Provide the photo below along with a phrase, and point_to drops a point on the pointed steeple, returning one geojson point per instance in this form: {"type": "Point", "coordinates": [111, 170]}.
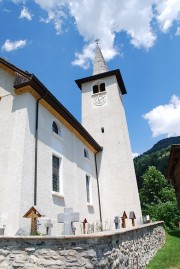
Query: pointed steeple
{"type": "Point", "coordinates": [99, 65]}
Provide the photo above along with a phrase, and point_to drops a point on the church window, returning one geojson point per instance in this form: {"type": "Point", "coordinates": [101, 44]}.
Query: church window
{"type": "Point", "coordinates": [102, 87]}
{"type": "Point", "coordinates": [95, 89]}
{"type": "Point", "coordinates": [88, 189]}
{"type": "Point", "coordinates": [55, 128]}
{"type": "Point", "coordinates": [102, 130]}
{"type": "Point", "coordinates": [86, 154]}
{"type": "Point", "coordinates": [55, 173]}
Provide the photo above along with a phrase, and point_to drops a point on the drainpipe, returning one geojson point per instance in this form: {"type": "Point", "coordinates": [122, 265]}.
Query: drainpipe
{"type": "Point", "coordinates": [100, 214]}
{"type": "Point", "coordinates": [36, 149]}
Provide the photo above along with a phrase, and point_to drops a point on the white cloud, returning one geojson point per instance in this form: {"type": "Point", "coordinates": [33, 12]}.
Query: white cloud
{"type": "Point", "coordinates": [82, 59]}
{"type": "Point", "coordinates": [168, 12]}
{"type": "Point", "coordinates": [55, 12]}
{"type": "Point", "coordinates": [178, 31]}
{"type": "Point", "coordinates": [13, 45]}
{"type": "Point", "coordinates": [134, 155]}
{"type": "Point", "coordinates": [57, 18]}
{"type": "Point", "coordinates": [25, 14]}
{"type": "Point", "coordinates": [105, 19]}
{"type": "Point", "coordinates": [165, 119]}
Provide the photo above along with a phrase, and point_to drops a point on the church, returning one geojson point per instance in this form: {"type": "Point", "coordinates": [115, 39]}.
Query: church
{"type": "Point", "coordinates": [50, 161]}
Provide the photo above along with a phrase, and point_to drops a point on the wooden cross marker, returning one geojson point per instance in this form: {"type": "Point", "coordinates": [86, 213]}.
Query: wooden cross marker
{"type": "Point", "coordinates": [124, 217]}
{"type": "Point", "coordinates": [132, 216]}
{"type": "Point", "coordinates": [84, 225]}
{"type": "Point", "coordinates": [33, 214]}
{"type": "Point", "coordinates": [96, 41]}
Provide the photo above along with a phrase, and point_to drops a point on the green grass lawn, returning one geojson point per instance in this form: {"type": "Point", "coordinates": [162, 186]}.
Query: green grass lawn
{"type": "Point", "coordinates": [168, 257]}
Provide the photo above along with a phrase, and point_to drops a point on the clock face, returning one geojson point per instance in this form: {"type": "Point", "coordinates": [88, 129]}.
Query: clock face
{"type": "Point", "coordinates": [99, 100]}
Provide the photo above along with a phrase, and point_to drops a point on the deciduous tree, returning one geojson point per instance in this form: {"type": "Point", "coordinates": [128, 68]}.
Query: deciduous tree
{"type": "Point", "coordinates": [158, 199]}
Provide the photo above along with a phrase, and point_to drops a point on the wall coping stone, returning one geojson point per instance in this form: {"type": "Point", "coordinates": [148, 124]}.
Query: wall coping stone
{"type": "Point", "coordinates": [84, 236]}
{"type": "Point", "coordinates": [124, 248]}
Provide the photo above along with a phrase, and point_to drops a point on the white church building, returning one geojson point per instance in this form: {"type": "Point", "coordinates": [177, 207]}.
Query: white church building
{"type": "Point", "coordinates": [50, 161]}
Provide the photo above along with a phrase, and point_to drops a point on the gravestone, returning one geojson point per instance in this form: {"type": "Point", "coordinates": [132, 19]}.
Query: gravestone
{"type": "Point", "coordinates": [146, 219]}
{"type": "Point", "coordinates": [99, 226]}
{"type": "Point", "coordinates": [21, 232]}
{"type": "Point", "coordinates": [68, 217]}
{"type": "Point", "coordinates": [90, 228]}
{"type": "Point", "coordinates": [117, 222]}
{"type": "Point", "coordinates": [48, 225]}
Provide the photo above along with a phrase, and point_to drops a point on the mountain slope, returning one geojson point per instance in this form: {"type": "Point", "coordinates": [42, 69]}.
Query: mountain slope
{"type": "Point", "coordinates": [157, 156]}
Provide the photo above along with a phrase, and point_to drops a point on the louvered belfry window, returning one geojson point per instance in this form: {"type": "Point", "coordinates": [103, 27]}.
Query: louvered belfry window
{"type": "Point", "coordinates": [55, 173]}
{"type": "Point", "coordinates": [102, 87]}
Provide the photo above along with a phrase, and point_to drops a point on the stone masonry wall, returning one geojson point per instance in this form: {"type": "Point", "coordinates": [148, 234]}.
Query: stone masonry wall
{"type": "Point", "coordinates": [108, 250]}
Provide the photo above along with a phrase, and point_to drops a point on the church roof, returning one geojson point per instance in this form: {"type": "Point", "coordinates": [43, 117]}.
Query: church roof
{"type": "Point", "coordinates": [116, 73]}
{"type": "Point", "coordinates": [99, 64]}
{"type": "Point", "coordinates": [26, 82]}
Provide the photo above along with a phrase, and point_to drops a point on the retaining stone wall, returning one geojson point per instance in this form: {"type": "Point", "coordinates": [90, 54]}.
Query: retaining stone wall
{"type": "Point", "coordinates": [108, 250]}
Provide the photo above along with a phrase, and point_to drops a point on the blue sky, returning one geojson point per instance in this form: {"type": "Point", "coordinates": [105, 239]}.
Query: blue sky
{"type": "Point", "coordinates": [54, 39]}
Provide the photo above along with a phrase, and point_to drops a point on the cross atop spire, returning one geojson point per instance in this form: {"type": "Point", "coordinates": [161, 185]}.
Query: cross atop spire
{"type": "Point", "coordinates": [99, 65]}
{"type": "Point", "coordinates": [96, 40]}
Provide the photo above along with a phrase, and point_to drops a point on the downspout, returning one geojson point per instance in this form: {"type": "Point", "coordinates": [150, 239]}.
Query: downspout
{"type": "Point", "coordinates": [36, 149]}
{"type": "Point", "coordinates": [99, 200]}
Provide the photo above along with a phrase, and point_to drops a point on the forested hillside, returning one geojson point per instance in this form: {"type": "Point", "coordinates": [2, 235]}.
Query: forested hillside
{"type": "Point", "coordinates": [157, 156]}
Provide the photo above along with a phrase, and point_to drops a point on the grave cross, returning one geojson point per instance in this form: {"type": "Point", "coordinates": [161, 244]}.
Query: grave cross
{"type": "Point", "coordinates": [84, 225]}
{"type": "Point", "coordinates": [48, 225]}
{"type": "Point", "coordinates": [116, 222]}
{"type": "Point", "coordinates": [68, 217]}
{"type": "Point", "coordinates": [132, 216]}
{"type": "Point", "coordinates": [124, 217]}
{"type": "Point", "coordinates": [34, 215]}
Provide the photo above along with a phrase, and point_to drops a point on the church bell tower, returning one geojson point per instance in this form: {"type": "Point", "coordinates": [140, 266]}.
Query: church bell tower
{"type": "Point", "coordinates": [104, 118]}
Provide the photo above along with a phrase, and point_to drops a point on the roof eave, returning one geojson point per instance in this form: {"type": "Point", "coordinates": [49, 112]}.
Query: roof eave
{"type": "Point", "coordinates": [116, 72]}
{"type": "Point", "coordinates": [51, 100]}
{"type": "Point", "coordinates": [14, 68]}
{"type": "Point", "coordinates": [44, 93]}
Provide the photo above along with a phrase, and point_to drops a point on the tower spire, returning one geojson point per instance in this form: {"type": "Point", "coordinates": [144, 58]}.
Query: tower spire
{"type": "Point", "coordinates": [99, 64]}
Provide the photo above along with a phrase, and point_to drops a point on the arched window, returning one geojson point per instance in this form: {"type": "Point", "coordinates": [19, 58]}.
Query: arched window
{"type": "Point", "coordinates": [55, 128]}
{"type": "Point", "coordinates": [95, 89]}
{"type": "Point", "coordinates": [86, 154]}
{"type": "Point", "coordinates": [99, 87]}
{"type": "Point", "coordinates": [102, 87]}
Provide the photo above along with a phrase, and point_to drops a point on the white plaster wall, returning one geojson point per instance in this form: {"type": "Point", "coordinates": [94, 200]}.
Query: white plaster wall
{"type": "Point", "coordinates": [118, 187]}
{"type": "Point", "coordinates": [5, 123]}
{"type": "Point", "coordinates": [74, 168]}
{"type": "Point", "coordinates": [17, 143]}
{"type": "Point", "coordinates": [14, 155]}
